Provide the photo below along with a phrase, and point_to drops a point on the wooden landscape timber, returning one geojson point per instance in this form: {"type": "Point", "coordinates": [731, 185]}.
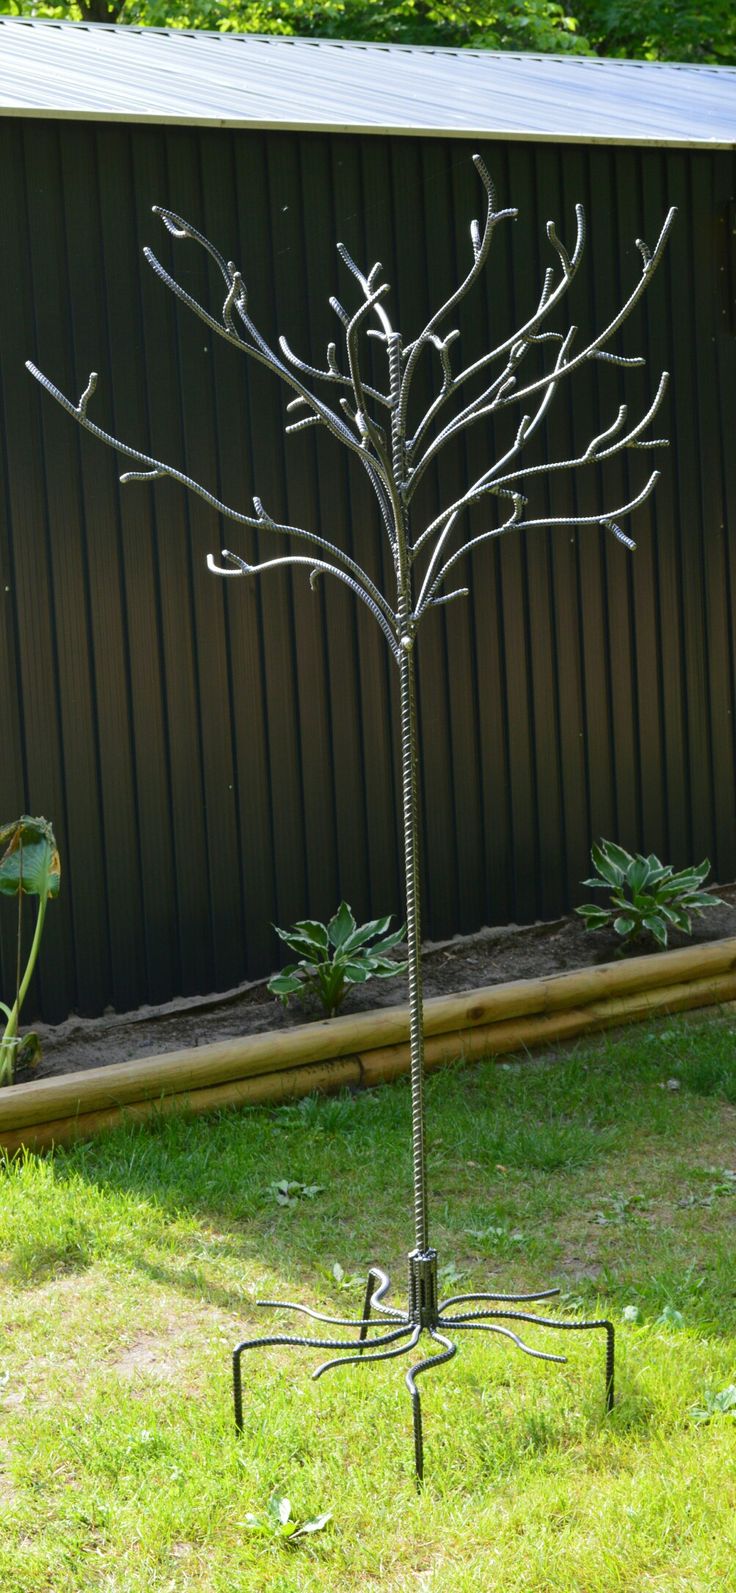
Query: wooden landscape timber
{"type": "Point", "coordinates": [366, 1048]}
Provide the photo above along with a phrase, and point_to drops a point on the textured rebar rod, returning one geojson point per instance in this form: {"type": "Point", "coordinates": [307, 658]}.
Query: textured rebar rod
{"type": "Point", "coordinates": [410, 779]}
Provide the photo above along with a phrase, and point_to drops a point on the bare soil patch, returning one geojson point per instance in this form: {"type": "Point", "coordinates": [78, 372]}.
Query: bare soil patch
{"type": "Point", "coordinates": [493, 956]}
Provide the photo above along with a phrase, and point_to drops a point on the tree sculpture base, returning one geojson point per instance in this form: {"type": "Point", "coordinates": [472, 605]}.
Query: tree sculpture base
{"type": "Point", "coordinates": [425, 1314]}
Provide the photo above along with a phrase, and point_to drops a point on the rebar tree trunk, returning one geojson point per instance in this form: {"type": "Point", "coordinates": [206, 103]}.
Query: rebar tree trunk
{"type": "Point", "coordinates": [412, 874]}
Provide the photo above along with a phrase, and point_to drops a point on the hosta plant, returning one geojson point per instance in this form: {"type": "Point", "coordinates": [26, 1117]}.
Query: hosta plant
{"type": "Point", "coordinates": [29, 866]}
{"type": "Point", "coordinates": [335, 956]}
{"type": "Point", "coordinates": [646, 897]}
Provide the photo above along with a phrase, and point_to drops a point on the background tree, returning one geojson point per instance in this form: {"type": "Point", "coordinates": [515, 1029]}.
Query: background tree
{"type": "Point", "coordinates": [654, 30]}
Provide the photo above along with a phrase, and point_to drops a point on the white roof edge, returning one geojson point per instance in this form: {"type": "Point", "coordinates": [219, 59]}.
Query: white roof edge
{"type": "Point", "coordinates": [498, 135]}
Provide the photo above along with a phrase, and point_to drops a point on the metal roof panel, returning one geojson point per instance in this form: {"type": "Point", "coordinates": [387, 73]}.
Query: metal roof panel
{"type": "Point", "coordinates": [99, 71]}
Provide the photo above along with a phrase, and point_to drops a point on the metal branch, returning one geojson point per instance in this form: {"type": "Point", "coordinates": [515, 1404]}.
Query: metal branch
{"type": "Point", "coordinates": [332, 374]}
{"type": "Point", "coordinates": [594, 349]}
{"type": "Point", "coordinates": [351, 346]}
{"type": "Point", "coordinates": [481, 246]}
{"type": "Point", "coordinates": [494, 393]}
{"type": "Point", "coordinates": [258, 350]}
{"type": "Point", "coordinates": [449, 597]}
{"type": "Point", "coordinates": [526, 428]}
{"type": "Point", "coordinates": [368, 284]}
{"type": "Point", "coordinates": [594, 453]}
{"type": "Point", "coordinates": [179, 228]}
{"type": "Point", "coordinates": [478, 408]}
{"type": "Point", "coordinates": [519, 343]}
{"type": "Point", "coordinates": [316, 567]}
{"type": "Point", "coordinates": [155, 469]}
{"type": "Point", "coordinates": [605, 519]}
{"type": "Point", "coordinates": [548, 299]}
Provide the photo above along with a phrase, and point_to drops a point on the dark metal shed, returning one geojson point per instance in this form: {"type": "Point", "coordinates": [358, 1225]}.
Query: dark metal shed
{"type": "Point", "coordinates": [217, 759]}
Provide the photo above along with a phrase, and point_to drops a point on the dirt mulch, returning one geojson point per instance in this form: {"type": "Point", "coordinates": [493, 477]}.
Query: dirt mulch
{"type": "Point", "coordinates": [493, 956]}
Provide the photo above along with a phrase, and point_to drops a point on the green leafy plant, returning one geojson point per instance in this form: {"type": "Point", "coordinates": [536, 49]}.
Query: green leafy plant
{"type": "Point", "coordinates": [345, 1280]}
{"type": "Point", "coordinates": [276, 1521]}
{"type": "Point", "coordinates": [29, 866]}
{"type": "Point", "coordinates": [287, 1192]}
{"type": "Point", "coordinates": [721, 1404]}
{"type": "Point", "coordinates": [335, 956]}
{"type": "Point", "coordinates": [647, 897]}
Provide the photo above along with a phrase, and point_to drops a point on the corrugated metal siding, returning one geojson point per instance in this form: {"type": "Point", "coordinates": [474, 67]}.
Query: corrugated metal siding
{"type": "Point", "coordinates": [217, 756]}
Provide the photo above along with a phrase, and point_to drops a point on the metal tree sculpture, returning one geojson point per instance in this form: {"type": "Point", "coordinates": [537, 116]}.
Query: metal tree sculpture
{"type": "Point", "coordinates": [374, 425]}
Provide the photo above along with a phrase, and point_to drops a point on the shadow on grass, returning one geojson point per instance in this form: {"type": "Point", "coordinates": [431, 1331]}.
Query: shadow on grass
{"type": "Point", "coordinates": [188, 1202]}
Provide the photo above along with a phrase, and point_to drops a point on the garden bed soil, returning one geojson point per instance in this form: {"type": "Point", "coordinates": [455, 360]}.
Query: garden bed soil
{"type": "Point", "coordinates": [493, 956]}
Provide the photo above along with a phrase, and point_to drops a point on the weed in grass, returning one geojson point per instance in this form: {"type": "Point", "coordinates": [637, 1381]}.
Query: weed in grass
{"type": "Point", "coordinates": [721, 1404]}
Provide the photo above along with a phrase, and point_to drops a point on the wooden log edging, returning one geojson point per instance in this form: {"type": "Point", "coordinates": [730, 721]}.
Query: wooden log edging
{"type": "Point", "coordinates": [365, 1048]}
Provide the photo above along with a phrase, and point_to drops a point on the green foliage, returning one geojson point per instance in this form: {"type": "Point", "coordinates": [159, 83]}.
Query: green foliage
{"type": "Point", "coordinates": [29, 866]}
{"type": "Point", "coordinates": [647, 897]}
{"type": "Point", "coordinates": [722, 1404]}
{"type": "Point", "coordinates": [660, 30]}
{"type": "Point", "coordinates": [653, 30]}
{"type": "Point", "coordinates": [482, 24]}
{"type": "Point", "coordinates": [335, 956]}
{"type": "Point", "coordinates": [276, 1521]}
{"type": "Point", "coordinates": [288, 1191]}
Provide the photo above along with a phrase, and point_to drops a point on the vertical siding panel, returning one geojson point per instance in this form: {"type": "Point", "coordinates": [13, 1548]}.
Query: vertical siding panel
{"type": "Point", "coordinates": [208, 372]}
{"type": "Point", "coordinates": [174, 574]}
{"type": "Point", "coordinates": [669, 354]}
{"type": "Point", "coordinates": [262, 193]}
{"type": "Point", "coordinates": [108, 733]}
{"type": "Point", "coordinates": [485, 603]}
{"type": "Point", "coordinates": [588, 419]}
{"type": "Point", "coordinates": [613, 240]}
{"type": "Point", "coordinates": [692, 619]}
{"type": "Point", "coordinates": [544, 547]}
{"type": "Point", "coordinates": [467, 457]}
{"type": "Point", "coordinates": [637, 388]}
{"type": "Point", "coordinates": [242, 600]}
{"type": "Point", "coordinates": [725, 382]}
{"type": "Point", "coordinates": [569, 599]}
{"type": "Point", "coordinates": [369, 234]}
{"type": "Point", "coordinates": [13, 783]}
{"type": "Point", "coordinates": [425, 274]}
{"type": "Point", "coordinates": [711, 540]}
{"type": "Point", "coordinates": [336, 745]}
{"type": "Point", "coordinates": [648, 529]}
{"type": "Point", "coordinates": [361, 671]}
{"type": "Point", "coordinates": [125, 224]}
{"type": "Point", "coordinates": [523, 839]}
{"type": "Point", "coordinates": [295, 457]}
{"type": "Point", "coordinates": [60, 652]}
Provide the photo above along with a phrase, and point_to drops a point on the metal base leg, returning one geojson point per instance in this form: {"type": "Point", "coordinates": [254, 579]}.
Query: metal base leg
{"type": "Point", "coordinates": [402, 1330]}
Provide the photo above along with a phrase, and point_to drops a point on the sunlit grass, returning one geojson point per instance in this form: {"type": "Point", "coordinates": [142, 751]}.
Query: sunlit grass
{"type": "Point", "coordinates": [129, 1267]}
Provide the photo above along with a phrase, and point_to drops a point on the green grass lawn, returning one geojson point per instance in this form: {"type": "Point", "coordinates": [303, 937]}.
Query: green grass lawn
{"type": "Point", "coordinates": [129, 1267]}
